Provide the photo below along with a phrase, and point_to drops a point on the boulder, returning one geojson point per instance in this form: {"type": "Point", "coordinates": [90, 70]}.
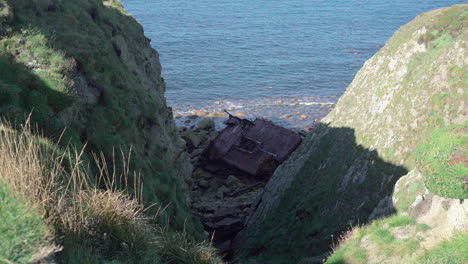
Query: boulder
{"type": "Point", "coordinates": [191, 139]}
{"type": "Point", "coordinates": [181, 143]}
{"type": "Point", "coordinates": [203, 135]}
{"type": "Point", "coordinates": [206, 124]}
{"type": "Point", "coordinates": [202, 174]}
{"type": "Point", "coordinates": [219, 194]}
{"type": "Point", "coordinates": [232, 181]}
{"type": "Point", "coordinates": [196, 153]}
{"type": "Point", "coordinates": [204, 183]}
{"type": "Point", "coordinates": [223, 189]}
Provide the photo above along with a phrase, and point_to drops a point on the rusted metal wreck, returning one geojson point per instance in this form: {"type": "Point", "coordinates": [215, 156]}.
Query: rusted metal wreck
{"type": "Point", "coordinates": [256, 147]}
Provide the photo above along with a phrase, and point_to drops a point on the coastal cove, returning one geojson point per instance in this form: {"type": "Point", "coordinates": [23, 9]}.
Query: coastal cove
{"type": "Point", "coordinates": [115, 148]}
{"type": "Point", "coordinates": [251, 55]}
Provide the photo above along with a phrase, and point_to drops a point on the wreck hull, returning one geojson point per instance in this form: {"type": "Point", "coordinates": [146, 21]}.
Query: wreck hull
{"type": "Point", "coordinates": [256, 147]}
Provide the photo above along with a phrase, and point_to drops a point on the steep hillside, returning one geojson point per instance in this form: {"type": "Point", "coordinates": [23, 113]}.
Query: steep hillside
{"type": "Point", "coordinates": [86, 66]}
{"type": "Point", "coordinates": [399, 128]}
{"type": "Point", "coordinates": [84, 76]}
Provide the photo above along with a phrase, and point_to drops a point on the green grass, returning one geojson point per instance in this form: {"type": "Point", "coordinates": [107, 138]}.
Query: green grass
{"type": "Point", "coordinates": [349, 246]}
{"type": "Point", "coordinates": [23, 232]}
{"type": "Point", "coordinates": [422, 227]}
{"type": "Point", "coordinates": [381, 236]}
{"type": "Point", "coordinates": [408, 250]}
{"type": "Point", "coordinates": [438, 162]}
{"type": "Point", "coordinates": [378, 233]}
{"type": "Point", "coordinates": [405, 250]}
{"type": "Point", "coordinates": [63, 62]}
{"type": "Point", "coordinates": [452, 251]}
{"type": "Point", "coordinates": [400, 220]}
{"type": "Point", "coordinates": [91, 224]}
{"type": "Point", "coordinates": [52, 50]}
{"type": "Point", "coordinates": [359, 256]}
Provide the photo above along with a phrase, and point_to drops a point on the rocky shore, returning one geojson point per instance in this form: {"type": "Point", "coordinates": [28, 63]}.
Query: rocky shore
{"type": "Point", "coordinates": [220, 196]}
{"type": "Point", "coordinates": [293, 113]}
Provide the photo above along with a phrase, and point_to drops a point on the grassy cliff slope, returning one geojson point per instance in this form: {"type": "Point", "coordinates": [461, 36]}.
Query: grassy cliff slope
{"type": "Point", "coordinates": [86, 68]}
{"type": "Point", "coordinates": [88, 79]}
{"type": "Point", "coordinates": [52, 212]}
{"type": "Point", "coordinates": [399, 128]}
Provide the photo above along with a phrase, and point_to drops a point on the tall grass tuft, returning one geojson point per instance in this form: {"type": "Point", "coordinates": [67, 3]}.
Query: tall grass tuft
{"type": "Point", "coordinates": [97, 214]}
{"type": "Point", "coordinates": [176, 248]}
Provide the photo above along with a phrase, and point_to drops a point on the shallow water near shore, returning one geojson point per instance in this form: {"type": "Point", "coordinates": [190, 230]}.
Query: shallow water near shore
{"type": "Point", "coordinates": [251, 54]}
{"type": "Point", "coordinates": [291, 112]}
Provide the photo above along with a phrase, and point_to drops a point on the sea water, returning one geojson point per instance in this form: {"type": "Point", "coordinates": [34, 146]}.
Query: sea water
{"type": "Point", "coordinates": [276, 59]}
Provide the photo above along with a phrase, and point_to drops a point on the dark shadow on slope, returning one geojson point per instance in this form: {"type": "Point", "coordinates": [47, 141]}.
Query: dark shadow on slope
{"type": "Point", "coordinates": [23, 93]}
{"type": "Point", "coordinates": [339, 186]}
{"type": "Point", "coordinates": [112, 111]}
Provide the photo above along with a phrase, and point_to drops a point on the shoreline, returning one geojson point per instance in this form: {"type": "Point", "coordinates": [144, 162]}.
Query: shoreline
{"type": "Point", "coordinates": [293, 113]}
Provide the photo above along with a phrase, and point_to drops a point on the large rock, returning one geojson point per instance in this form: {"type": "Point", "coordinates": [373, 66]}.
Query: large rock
{"type": "Point", "coordinates": [193, 139]}
{"type": "Point", "coordinates": [232, 181]}
{"type": "Point", "coordinates": [206, 124]}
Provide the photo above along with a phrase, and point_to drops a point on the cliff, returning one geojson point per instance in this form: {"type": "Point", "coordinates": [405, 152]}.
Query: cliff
{"type": "Point", "coordinates": [89, 79]}
{"type": "Point", "coordinates": [395, 143]}
{"type": "Point", "coordinates": [86, 66]}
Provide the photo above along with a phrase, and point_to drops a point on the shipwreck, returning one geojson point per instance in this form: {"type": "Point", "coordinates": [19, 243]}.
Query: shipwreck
{"type": "Point", "coordinates": [256, 147]}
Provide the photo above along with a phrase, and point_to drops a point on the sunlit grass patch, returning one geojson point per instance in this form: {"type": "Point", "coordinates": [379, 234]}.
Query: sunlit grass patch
{"type": "Point", "coordinates": [400, 220]}
{"type": "Point", "coordinates": [379, 240]}
{"type": "Point", "coordinates": [443, 161]}
{"type": "Point", "coordinates": [381, 236]}
{"type": "Point", "coordinates": [453, 251]}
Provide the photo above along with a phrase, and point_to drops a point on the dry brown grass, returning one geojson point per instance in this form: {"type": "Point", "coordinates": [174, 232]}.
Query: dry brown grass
{"type": "Point", "coordinates": [58, 183]}
{"type": "Point", "coordinates": [175, 248]}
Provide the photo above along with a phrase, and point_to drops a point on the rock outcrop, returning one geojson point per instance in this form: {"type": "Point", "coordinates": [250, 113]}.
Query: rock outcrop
{"type": "Point", "coordinates": [344, 173]}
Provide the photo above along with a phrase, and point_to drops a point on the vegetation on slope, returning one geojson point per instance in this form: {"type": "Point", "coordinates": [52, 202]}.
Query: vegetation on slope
{"type": "Point", "coordinates": [451, 251]}
{"type": "Point", "coordinates": [437, 147]}
{"type": "Point", "coordinates": [444, 161]}
{"type": "Point", "coordinates": [410, 96]}
{"type": "Point", "coordinates": [41, 184]}
{"type": "Point", "coordinates": [86, 66]}
{"type": "Point", "coordinates": [24, 234]}
{"type": "Point", "coordinates": [397, 239]}
{"type": "Point", "coordinates": [99, 179]}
